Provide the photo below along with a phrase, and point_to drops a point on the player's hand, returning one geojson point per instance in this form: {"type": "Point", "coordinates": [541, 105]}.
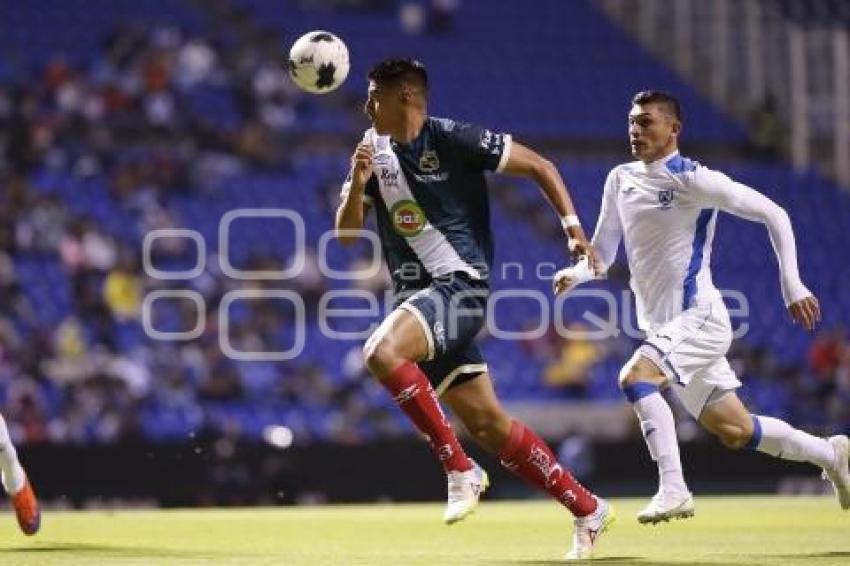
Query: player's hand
{"type": "Point", "coordinates": [569, 277]}
{"type": "Point", "coordinates": [580, 247]}
{"type": "Point", "coordinates": [806, 312]}
{"type": "Point", "coordinates": [361, 165]}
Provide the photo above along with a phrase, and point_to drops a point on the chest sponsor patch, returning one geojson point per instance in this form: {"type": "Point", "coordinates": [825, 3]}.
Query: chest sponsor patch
{"type": "Point", "coordinates": [408, 218]}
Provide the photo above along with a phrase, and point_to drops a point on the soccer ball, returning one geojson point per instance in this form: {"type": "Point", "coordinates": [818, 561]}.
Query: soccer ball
{"type": "Point", "coordinates": [318, 62]}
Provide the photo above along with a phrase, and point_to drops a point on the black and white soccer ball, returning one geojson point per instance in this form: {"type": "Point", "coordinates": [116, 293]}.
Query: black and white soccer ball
{"type": "Point", "coordinates": [318, 62]}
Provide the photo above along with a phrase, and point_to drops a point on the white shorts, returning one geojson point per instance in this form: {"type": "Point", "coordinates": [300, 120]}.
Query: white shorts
{"type": "Point", "coordinates": [691, 351]}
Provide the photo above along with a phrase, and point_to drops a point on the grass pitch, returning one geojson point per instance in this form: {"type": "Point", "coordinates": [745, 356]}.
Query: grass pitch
{"type": "Point", "coordinates": [727, 531]}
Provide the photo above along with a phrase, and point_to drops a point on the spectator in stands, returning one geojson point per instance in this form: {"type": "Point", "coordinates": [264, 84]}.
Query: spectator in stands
{"type": "Point", "coordinates": [122, 291]}
{"type": "Point", "coordinates": [576, 356]}
{"type": "Point", "coordinates": [768, 134]}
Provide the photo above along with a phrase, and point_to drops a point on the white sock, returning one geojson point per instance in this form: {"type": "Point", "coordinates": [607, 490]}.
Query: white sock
{"type": "Point", "coordinates": [659, 430]}
{"type": "Point", "coordinates": [12, 473]}
{"type": "Point", "coordinates": [779, 439]}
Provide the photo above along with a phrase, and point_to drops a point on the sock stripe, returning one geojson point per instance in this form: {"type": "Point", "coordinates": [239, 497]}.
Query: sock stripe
{"type": "Point", "coordinates": [639, 390]}
{"type": "Point", "coordinates": [755, 439]}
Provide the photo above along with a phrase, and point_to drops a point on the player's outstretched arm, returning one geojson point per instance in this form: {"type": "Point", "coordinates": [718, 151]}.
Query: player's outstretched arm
{"type": "Point", "coordinates": [525, 162]}
{"type": "Point", "coordinates": [609, 227]}
{"type": "Point", "coordinates": [352, 209]}
{"type": "Point", "coordinates": [721, 192]}
{"type": "Point", "coordinates": [606, 240]}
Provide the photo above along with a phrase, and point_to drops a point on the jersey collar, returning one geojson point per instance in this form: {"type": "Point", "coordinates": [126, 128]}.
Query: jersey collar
{"type": "Point", "coordinates": [659, 164]}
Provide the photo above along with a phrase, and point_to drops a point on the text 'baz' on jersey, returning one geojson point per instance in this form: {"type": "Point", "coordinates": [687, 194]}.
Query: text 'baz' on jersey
{"type": "Point", "coordinates": [430, 197]}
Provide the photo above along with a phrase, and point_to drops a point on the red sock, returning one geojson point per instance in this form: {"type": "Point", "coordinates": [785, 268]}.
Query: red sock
{"type": "Point", "coordinates": [413, 393]}
{"type": "Point", "coordinates": [527, 455]}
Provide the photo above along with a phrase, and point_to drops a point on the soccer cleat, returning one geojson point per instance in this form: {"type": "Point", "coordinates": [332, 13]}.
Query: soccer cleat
{"type": "Point", "coordinates": [587, 530]}
{"type": "Point", "coordinates": [840, 475]}
{"type": "Point", "coordinates": [665, 507]}
{"type": "Point", "coordinates": [26, 509]}
{"type": "Point", "coordinates": [465, 489]}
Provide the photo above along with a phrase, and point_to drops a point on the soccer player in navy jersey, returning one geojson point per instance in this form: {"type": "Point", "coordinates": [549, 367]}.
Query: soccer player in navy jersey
{"type": "Point", "coordinates": [424, 177]}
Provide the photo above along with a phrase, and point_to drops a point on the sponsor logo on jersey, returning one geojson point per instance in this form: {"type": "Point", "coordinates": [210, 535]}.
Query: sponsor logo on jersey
{"type": "Point", "coordinates": [408, 218]}
{"type": "Point", "coordinates": [429, 162]}
{"type": "Point", "coordinates": [388, 177]}
{"type": "Point", "coordinates": [491, 142]}
{"type": "Point", "coordinates": [665, 199]}
{"type": "Point", "coordinates": [433, 177]}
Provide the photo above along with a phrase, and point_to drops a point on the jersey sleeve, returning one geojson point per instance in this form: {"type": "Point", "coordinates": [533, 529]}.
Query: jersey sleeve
{"type": "Point", "coordinates": [369, 192]}
{"type": "Point", "coordinates": [716, 190]}
{"type": "Point", "coordinates": [479, 148]}
{"type": "Point", "coordinates": [609, 227]}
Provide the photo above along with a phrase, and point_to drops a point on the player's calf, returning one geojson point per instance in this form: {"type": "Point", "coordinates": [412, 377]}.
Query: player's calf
{"type": "Point", "coordinates": [733, 436]}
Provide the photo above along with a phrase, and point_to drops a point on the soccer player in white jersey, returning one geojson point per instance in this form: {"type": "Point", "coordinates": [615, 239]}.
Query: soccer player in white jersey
{"type": "Point", "coordinates": [664, 207]}
{"type": "Point", "coordinates": [16, 484]}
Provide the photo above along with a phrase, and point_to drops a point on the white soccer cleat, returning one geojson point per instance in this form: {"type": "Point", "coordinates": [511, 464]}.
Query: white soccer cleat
{"type": "Point", "coordinates": [587, 529]}
{"type": "Point", "coordinates": [840, 475]}
{"type": "Point", "coordinates": [465, 489]}
{"type": "Point", "coordinates": [664, 507]}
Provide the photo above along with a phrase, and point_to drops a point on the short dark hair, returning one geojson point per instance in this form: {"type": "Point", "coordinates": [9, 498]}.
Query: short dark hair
{"type": "Point", "coordinates": [660, 97]}
{"type": "Point", "coordinates": [394, 71]}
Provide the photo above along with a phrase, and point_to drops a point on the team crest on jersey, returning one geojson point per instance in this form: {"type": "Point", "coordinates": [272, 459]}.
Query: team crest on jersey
{"type": "Point", "coordinates": [429, 162]}
{"type": "Point", "coordinates": [665, 199]}
{"type": "Point", "coordinates": [408, 218]}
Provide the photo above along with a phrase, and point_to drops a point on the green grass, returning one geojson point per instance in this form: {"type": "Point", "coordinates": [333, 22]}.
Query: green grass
{"type": "Point", "coordinates": [732, 531]}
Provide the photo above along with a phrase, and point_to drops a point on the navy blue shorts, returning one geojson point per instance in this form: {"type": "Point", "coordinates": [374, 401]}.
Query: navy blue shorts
{"type": "Point", "coordinates": [451, 311]}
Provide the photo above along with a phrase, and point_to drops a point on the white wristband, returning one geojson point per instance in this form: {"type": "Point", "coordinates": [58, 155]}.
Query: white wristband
{"type": "Point", "coordinates": [569, 221]}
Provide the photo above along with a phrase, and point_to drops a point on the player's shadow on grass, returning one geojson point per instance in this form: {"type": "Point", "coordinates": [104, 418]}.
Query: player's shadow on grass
{"type": "Point", "coordinates": [832, 554]}
{"type": "Point", "coordinates": [617, 560]}
{"type": "Point", "coordinates": [608, 561]}
{"type": "Point", "coordinates": [637, 561]}
{"type": "Point", "coordinates": [104, 550]}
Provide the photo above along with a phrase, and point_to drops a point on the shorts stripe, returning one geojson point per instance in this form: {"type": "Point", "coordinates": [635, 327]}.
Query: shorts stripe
{"type": "Point", "coordinates": [412, 309]}
{"type": "Point", "coordinates": [460, 370]}
{"type": "Point", "coordinates": [661, 359]}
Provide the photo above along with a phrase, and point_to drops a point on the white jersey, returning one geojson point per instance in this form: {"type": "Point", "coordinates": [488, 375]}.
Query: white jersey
{"type": "Point", "coordinates": [666, 213]}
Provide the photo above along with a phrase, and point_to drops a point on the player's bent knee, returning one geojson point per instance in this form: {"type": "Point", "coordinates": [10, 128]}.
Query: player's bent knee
{"type": "Point", "coordinates": [630, 375]}
{"type": "Point", "coordinates": [640, 370]}
{"type": "Point", "coordinates": [380, 356]}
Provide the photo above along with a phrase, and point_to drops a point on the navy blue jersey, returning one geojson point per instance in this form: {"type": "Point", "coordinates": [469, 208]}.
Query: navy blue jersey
{"type": "Point", "coordinates": [431, 200]}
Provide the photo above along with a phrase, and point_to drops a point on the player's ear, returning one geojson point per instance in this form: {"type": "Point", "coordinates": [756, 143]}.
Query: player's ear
{"type": "Point", "coordinates": [677, 128]}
